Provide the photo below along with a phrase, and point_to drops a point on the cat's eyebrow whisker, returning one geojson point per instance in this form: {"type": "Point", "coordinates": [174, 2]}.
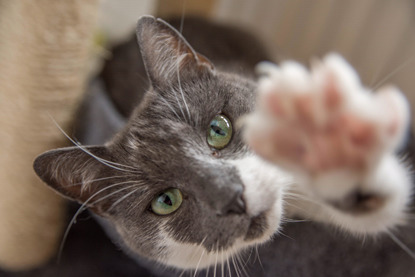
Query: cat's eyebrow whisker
{"type": "Point", "coordinates": [182, 93]}
{"type": "Point", "coordinates": [113, 165]}
{"type": "Point", "coordinates": [100, 179]}
{"type": "Point", "coordinates": [111, 194]}
{"type": "Point", "coordinates": [170, 107]}
{"type": "Point", "coordinates": [178, 59]}
{"type": "Point", "coordinates": [122, 199]}
{"type": "Point", "coordinates": [405, 248]}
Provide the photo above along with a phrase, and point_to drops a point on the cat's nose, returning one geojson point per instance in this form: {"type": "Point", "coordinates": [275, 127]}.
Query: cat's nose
{"type": "Point", "coordinates": [235, 206]}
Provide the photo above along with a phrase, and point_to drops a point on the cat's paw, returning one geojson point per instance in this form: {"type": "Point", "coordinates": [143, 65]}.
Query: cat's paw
{"type": "Point", "coordinates": [323, 119]}
{"type": "Point", "coordinates": [330, 131]}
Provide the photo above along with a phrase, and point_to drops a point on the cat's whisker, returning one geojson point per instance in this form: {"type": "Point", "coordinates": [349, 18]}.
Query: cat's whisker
{"type": "Point", "coordinates": [183, 272]}
{"type": "Point", "coordinates": [280, 232]}
{"type": "Point", "coordinates": [249, 256]}
{"type": "Point", "coordinates": [259, 258]}
{"type": "Point", "coordinates": [290, 220]}
{"type": "Point", "coordinates": [405, 248]}
{"type": "Point", "coordinates": [235, 266]}
{"type": "Point", "coordinates": [394, 72]}
{"type": "Point", "coordinates": [181, 91]}
{"type": "Point", "coordinates": [240, 262]}
{"type": "Point", "coordinates": [198, 263]}
{"type": "Point", "coordinates": [222, 264]}
{"type": "Point", "coordinates": [229, 267]}
{"type": "Point", "coordinates": [170, 107]}
{"type": "Point", "coordinates": [110, 164]}
{"type": "Point", "coordinates": [73, 220]}
{"type": "Point", "coordinates": [122, 199]}
{"type": "Point", "coordinates": [294, 196]}
{"type": "Point", "coordinates": [178, 67]}
{"type": "Point", "coordinates": [207, 271]}
{"type": "Point", "coordinates": [216, 259]}
{"type": "Point", "coordinates": [100, 179]}
{"type": "Point", "coordinates": [111, 194]}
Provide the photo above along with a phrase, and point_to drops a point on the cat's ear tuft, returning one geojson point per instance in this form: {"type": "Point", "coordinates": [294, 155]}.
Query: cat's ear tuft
{"type": "Point", "coordinates": [165, 51]}
{"type": "Point", "coordinates": [71, 171]}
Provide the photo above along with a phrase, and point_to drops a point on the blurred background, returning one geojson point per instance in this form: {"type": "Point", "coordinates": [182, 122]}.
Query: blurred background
{"type": "Point", "coordinates": [376, 36]}
{"type": "Point", "coordinates": [50, 49]}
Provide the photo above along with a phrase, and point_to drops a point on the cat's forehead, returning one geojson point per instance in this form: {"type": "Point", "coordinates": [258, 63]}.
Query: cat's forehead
{"type": "Point", "coordinates": [197, 99]}
{"type": "Point", "coordinates": [174, 119]}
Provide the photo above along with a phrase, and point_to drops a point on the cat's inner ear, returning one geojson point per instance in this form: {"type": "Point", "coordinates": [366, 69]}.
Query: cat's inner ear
{"type": "Point", "coordinates": [77, 173]}
{"type": "Point", "coordinates": [166, 53]}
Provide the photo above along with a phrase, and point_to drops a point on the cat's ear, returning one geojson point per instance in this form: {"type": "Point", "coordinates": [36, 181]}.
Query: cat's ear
{"type": "Point", "coordinates": [165, 52]}
{"type": "Point", "coordinates": [74, 171]}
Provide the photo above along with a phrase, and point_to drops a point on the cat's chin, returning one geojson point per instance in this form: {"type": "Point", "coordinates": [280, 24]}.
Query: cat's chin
{"type": "Point", "coordinates": [195, 256]}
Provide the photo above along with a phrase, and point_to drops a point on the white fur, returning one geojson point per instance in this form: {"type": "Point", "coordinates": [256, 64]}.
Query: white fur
{"type": "Point", "coordinates": [263, 189]}
{"type": "Point", "coordinates": [386, 176]}
{"type": "Point", "coordinates": [267, 188]}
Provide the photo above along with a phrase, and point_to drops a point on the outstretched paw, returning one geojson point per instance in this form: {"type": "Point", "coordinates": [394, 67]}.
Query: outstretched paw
{"type": "Point", "coordinates": [321, 120]}
{"type": "Point", "coordinates": [338, 140]}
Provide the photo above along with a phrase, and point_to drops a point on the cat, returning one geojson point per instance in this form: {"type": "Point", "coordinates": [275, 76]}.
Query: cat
{"type": "Point", "coordinates": [180, 185]}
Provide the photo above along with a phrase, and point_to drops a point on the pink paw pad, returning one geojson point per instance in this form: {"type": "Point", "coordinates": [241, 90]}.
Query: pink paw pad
{"type": "Point", "coordinates": [323, 119]}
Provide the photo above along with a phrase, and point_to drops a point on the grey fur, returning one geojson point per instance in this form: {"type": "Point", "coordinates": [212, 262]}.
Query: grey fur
{"type": "Point", "coordinates": [162, 146]}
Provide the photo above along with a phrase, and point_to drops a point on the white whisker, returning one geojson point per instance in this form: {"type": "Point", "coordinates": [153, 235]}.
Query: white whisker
{"type": "Point", "coordinates": [397, 70]}
{"type": "Point", "coordinates": [115, 192]}
{"type": "Point", "coordinates": [229, 267]}
{"type": "Point", "coordinates": [171, 107]}
{"type": "Point", "coordinates": [222, 263]}
{"type": "Point", "coordinates": [216, 258]}
{"type": "Point", "coordinates": [235, 266]}
{"type": "Point", "coordinates": [198, 263]}
{"type": "Point", "coordinates": [122, 199]}
{"type": "Point", "coordinates": [81, 209]}
{"type": "Point", "coordinates": [110, 164]}
{"type": "Point", "coordinates": [401, 245]}
{"type": "Point", "coordinates": [100, 179]}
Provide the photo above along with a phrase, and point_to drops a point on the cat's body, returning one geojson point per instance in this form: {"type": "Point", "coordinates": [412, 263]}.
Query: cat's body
{"type": "Point", "coordinates": [233, 96]}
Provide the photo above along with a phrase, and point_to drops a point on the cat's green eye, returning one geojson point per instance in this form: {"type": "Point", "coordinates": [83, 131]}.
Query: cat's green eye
{"type": "Point", "coordinates": [167, 202]}
{"type": "Point", "coordinates": [220, 132]}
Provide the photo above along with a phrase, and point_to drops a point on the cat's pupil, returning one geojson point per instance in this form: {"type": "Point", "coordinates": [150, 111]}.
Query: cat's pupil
{"type": "Point", "coordinates": [167, 200]}
{"type": "Point", "coordinates": [218, 130]}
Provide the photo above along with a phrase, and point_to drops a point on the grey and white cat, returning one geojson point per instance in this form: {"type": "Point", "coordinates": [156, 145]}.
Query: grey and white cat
{"type": "Point", "coordinates": [200, 172]}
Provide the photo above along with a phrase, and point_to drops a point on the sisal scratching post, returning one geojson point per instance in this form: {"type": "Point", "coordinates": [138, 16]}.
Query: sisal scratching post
{"type": "Point", "coordinates": [44, 49]}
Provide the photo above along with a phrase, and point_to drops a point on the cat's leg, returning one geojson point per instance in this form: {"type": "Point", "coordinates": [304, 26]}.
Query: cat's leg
{"type": "Point", "coordinates": [338, 139]}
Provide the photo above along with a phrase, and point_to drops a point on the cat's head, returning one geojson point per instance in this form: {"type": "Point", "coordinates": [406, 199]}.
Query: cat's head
{"type": "Point", "coordinates": [177, 183]}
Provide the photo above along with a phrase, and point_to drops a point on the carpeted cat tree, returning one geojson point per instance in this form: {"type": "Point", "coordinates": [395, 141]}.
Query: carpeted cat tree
{"type": "Point", "coordinates": [44, 49]}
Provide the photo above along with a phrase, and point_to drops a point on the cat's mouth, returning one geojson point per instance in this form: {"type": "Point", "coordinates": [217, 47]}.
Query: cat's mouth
{"type": "Point", "coordinates": [264, 225]}
{"type": "Point", "coordinates": [257, 227]}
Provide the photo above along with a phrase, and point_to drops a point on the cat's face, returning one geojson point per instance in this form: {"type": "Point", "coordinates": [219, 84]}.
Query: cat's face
{"type": "Point", "coordinates": [178, 183]}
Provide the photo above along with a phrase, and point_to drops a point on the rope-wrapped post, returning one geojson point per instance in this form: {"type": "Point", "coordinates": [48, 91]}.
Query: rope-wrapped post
{"type": "Point", "coordinates": [44, 53]}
